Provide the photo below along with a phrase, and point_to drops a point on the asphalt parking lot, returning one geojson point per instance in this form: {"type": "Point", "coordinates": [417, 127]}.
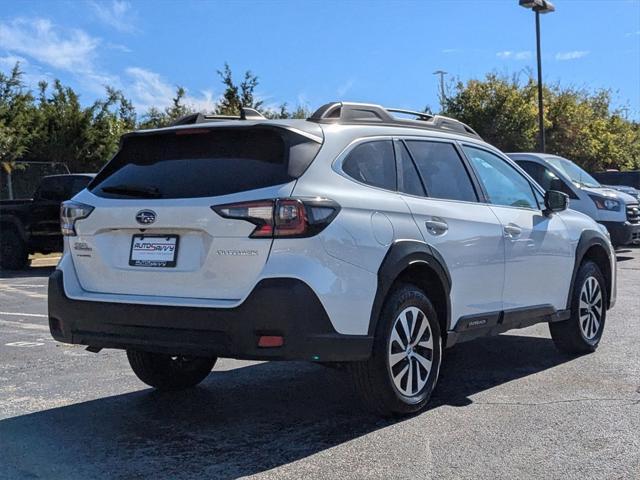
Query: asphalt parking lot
{"type": "Point", "coordinates": [506, 407]}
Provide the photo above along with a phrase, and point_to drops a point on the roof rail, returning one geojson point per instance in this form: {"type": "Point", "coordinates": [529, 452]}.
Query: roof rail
{"type": "Point", "coordinates": [246, 113]}
{"type": "Point", "coordinates": [364, 113]}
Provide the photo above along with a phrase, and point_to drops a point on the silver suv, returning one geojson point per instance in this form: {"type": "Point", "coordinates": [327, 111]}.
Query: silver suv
{"type": "Point", "coordinates": [354, 237]}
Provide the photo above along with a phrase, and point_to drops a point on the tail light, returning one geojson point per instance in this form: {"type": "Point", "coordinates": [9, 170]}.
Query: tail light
{"type": "Point", "coordinates": [283, 217]}
{"type": "Point", "coordinates": [70, 212]}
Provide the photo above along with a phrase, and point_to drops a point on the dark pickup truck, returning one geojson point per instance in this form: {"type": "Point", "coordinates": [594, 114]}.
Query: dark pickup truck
{"type": "Point", "coordinates": [33, 225]}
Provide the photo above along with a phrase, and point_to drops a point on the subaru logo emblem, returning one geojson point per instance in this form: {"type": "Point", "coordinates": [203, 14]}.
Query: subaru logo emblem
{"type": "Point", "coordinates": [146, 217]}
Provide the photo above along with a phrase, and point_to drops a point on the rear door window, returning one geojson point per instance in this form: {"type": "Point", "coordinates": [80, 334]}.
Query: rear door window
{"type": "Point", "coordinates": [545, 177]}
{"type": "Point", "coordinates": [199, 163]}
{"type": "Point", "coordinates": [372, 163]}
{"type": "Point", "coordinates": [442, 171]}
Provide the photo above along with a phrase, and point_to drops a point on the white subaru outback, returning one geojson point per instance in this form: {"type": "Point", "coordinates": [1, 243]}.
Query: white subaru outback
{"type": "Point", "coordinates": [357, 236]}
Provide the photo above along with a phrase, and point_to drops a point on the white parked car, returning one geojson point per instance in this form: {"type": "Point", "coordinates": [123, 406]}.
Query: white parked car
{"type": "Point", "coordinates": [616, 210]}
{"type": "Point", "coordinates": [354, 236]}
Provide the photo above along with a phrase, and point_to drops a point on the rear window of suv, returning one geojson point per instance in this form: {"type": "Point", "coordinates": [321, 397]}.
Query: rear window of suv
{"type": "Point", "coordinates": [203, 162]}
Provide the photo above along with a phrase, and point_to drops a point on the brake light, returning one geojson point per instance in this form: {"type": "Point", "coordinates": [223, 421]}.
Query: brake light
{"type": "Point", "coordinates": [282, 217]}
{"type": "Point", "coordinates": [70, 212]}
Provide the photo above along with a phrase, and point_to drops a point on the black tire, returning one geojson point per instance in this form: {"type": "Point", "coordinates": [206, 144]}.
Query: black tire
{"type": "Point", "coordinates": [13, 250]}
{"type": "Point", "coordinates": [374, 380]}
{"type": "Point", "coordinates": [167, 372]}
{"type": "Point", "coordinates": [570, 336]}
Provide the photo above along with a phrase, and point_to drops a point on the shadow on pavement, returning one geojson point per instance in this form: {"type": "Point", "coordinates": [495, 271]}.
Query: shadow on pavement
{"type": "Point", "coordinates": [239, 422]}
{"type": "Point", "coordinates": [28, 272]}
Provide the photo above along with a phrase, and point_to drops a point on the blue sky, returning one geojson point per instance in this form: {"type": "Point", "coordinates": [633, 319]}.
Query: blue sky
{"type": "Point", "coordinates": [312, 52]}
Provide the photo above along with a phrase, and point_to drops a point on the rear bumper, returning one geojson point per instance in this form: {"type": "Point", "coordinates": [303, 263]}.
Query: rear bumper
{"type": "Point", "coordinates": [623, 233]}
{"type": "Point", "coordinates": [278, 306]}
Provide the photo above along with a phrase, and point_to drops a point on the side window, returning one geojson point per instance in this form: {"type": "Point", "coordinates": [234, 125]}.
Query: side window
{"type": "Point", "coordinates": [372, 163]}
{"type": "Point", "coordinates": [503, 184]}
{"type": "Point", "coordinates": [442, 171]}
{"type": "Point", "coordinates": [535, 170]}
{"type": "Point", "coordinates": [545, 177]}
{"type": "Point", "coordinates": [52, 189]}
{"type": "Point", "coordinates": [78, 184]}
{"type": "Point", "coordinates": [409, 178]}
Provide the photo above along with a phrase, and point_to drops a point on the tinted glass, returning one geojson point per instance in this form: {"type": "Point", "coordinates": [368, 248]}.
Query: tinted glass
{"type": "Point", "coordinates": [372, 163]}
{"type": "Point", "coordinates": [78, 184]}
{"type": "Point", "coordinates": [503, 183]}
{"type": "Point", "coordinates": [443, 173]}
{"type": "Point", "coordinates": [574, 172]}
{"type": "Point", "coordinates": [545, 177]}
{"type": "Point", "coordinates": [217, 162]}
{"type": "Point", "coordinates": [54, 189]}
{"type": "Point", "coordinates": [410, 180]}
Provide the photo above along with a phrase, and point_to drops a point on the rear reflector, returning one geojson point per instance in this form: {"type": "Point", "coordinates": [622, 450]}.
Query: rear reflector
{"type": "Point", "coordinates": [270, 341]}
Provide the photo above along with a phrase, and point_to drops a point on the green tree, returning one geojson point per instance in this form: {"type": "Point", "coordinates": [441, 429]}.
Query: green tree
{"type": "Point", "coordinates": [500, 109]}
{"type": "Point", "coordinates": [237, 96]}
{"type": "Point", "coordinates": [17, 114]}
{"type": "Point", "coordinates": [580, 124]}
{"type": "Point", "coordinates": [112, 117]}
{"type": "Point", "coordinates": [156, 118]}
{"type": "Point", "coordinates": [584, 128]}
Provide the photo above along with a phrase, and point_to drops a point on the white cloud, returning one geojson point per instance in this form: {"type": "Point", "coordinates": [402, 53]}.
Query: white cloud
{"type": "Point", "coordinates": [344, 88]}
{"type": "Point", "coordinates": [632, 34]}
{"type": "Point", "coordinates": [510, 54]}
{"type": "Point", "coordinates": [451, 50]}
{"type": "Point", "coordinates": [39, 39]}
{"type": "Point", "coordinates": [118, 47]}
{"type": "Point", "coordinates": [573, 55]}
{"type": "Point", "coordinates": [117, 14]}
{"type": "Point", "coordinates": [9, 61]}
{"type": "Point", "coordinates": [72, 51]}
{"type": "Point", "coordinates": [148, 89]}
{"type": "Point", "coordinates": [31, 74]}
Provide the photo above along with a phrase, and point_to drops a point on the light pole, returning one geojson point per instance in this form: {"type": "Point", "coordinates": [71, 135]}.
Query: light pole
{"type": "Point", "coordinates": [539, 7]}
{"type": "Point", "coordinates": [442, 73]}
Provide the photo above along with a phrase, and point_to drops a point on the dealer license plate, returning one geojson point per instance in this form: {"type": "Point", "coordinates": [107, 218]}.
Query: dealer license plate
{"type": "Point", "coordinates": [154, 251]}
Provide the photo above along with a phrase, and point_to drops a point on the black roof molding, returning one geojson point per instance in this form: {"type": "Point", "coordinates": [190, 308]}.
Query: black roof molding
{"type": "Point", "coordinates": [366, 114]}
{"type": "Point", "coordinates": [246, 113]}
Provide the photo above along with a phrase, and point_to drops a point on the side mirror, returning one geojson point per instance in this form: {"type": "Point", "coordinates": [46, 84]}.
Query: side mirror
{"type": "Point", "coordinates": [555, 201]}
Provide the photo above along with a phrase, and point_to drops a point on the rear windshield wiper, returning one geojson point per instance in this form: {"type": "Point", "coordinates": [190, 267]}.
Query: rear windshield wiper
{"type": "Point", "coordinates": [133, 190]}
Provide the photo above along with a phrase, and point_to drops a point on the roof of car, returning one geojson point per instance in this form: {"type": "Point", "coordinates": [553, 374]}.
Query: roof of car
{"type": "Point", "coordinates": [335, 113]}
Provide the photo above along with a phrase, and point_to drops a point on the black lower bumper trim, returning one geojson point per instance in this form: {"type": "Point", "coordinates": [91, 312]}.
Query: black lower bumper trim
{"type": "Point", "coordinates": [279, 306]}
{"type": "Point", "coordinates": [622, 233]}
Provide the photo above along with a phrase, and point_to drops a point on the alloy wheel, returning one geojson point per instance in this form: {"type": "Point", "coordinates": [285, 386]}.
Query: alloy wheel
{"type": "Point", "coordinates": [410, 351]}
{"type": "Point", "coordinates": [590, 308]}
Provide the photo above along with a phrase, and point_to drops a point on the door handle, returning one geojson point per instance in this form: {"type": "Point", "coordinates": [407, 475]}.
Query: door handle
{"type": "Point", "coordinates": [512, 231]}
{"type": "Point", "coordinates": [436, 226]}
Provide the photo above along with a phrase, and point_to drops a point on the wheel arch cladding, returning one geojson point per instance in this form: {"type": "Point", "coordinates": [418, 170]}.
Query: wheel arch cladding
{"type": "Point", "coordinates": [593, 247]}
{"type": "Point", "coordinates": [414, 262]}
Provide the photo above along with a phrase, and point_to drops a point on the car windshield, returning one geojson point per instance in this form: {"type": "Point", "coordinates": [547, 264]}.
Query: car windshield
{"type": "Point", "coordinates": [574, 172]}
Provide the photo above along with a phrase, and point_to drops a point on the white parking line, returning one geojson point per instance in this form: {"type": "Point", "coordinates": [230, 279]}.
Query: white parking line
{"type": "Point", "coordinates": [24, 344]}
{"type": "Point", "coordinates": [17, 314]}
{"type": "Point", "coordinates": [25, 326]}
{"type": "Point", "coordinates": [21, 285]}
{"type": "Point", "coordinates": [9, 289]}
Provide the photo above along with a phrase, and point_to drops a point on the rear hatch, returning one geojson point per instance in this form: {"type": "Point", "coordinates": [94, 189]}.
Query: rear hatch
{"type": "Point", "coordinates": [153, 231]}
